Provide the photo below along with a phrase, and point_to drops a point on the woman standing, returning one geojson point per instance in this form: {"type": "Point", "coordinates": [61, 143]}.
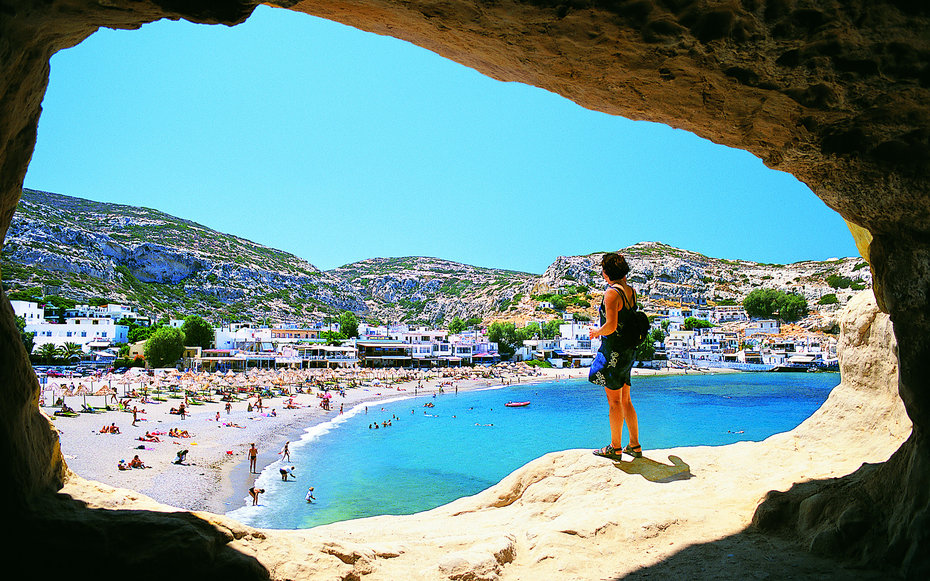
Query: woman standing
{"type": "Point", "coordinates": [611, 367]}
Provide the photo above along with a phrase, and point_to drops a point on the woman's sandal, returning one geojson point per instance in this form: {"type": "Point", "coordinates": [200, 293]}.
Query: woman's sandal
{"type": "Point", "coordinates": [608, 451]}
{"type": "Point", "coordinates": [634, 451]}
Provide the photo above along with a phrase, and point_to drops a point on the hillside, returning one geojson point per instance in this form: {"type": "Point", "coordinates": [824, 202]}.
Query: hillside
{"type": "Point", "coordinates": [665, 275]}
{"type": "Point", "coordinates": [160, 263]}
{"type": "Point", "coordinates": [165, 265]}
{"type": "Point", "coordinates": [416, 288]}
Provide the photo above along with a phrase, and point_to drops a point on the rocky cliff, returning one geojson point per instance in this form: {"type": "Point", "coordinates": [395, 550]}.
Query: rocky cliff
{"type": "Point", "coordinates": [664, 274]}
{"type": "Point", "coordinates": [167, 265]}
{"type": "Point", "coordinates": [158, 262]}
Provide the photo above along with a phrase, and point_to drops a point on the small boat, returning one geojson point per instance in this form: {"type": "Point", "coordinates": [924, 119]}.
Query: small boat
{"type": "Point", "coordinates": [517, 404]}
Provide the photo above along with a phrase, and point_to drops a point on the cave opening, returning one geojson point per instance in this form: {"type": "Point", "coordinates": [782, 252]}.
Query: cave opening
{"type": "Point", "coordinates": [825, 115]}
{"type": "Point", "coordinates": [200, 121]}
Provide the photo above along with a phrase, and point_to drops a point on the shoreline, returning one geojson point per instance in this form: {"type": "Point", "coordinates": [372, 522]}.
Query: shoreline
{"type": "Point", "coordinates": [215, 477]}
{"type": "Point", "coordinates": [238, 479]}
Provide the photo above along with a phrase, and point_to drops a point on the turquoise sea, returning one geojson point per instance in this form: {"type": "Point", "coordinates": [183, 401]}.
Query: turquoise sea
{"type": "Point", "coordinates": [468, 441]}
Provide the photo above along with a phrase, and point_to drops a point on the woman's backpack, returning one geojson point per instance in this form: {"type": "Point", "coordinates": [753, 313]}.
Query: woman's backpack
{"type": "Point", "coordinates": [632, 332]}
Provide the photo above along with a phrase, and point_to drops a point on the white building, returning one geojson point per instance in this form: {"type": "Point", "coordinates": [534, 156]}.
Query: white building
{"type": "Point", "coordinates": [112, 311]}
{"type": "Point", "coordinates": [679, 343]}
{"type": "Point", "coordinates": [729, 314]}
{"type": "Point", "coordinates": [33, 313]}
{"type": "Point", "coordinates": [234, 335]}
{"type": "Point", "coordinates": [762, 327]}
{"type": "Point", "coordinates": [88, 332]}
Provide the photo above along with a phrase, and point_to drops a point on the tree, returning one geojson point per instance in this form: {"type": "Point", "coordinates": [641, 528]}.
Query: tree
{"type": "Point", "coordinates": [59, 302]}
{"type": "Point", "coordinates": [551, 329]}
{"type": "Point", "coordinates": [767, 303]}
{"type": "Point", "coordinates": [141, 333]}
{"type": "Point", "coordinates": [694, 323]}
{"type": "Point", "coordinates": [505, 335]}
{"type": "Point", "coordinates": [198, 332]}
{"type": "Point", "coordinates": [70, 351]}
{"type": "Point", "coordinates": [529, 331]}
{"type": "Point", "coordinates": [472, 322]}
{"type": "Point", "coordinates": [28, 339]}
{"type": "Point", "coordinates": [456, 326]}
{"type": "Point", "coordinates": [791, 307]}
{"type": "Point", "coordinates": [333, 337]}
{"type": "Point", "coordinates": [761, 303]}
{"type": "Point", "coordinates": [164, 347]}
{"type": "Point", "coordinates": [47, 352]}
{"type": "Point", "coordinates": [647, 350]}
{"type": "Point", "coordinates": [348, 324]}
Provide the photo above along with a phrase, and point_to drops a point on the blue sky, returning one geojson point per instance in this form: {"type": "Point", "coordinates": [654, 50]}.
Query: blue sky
{"type": "Point", "coordinates": [338, 145]}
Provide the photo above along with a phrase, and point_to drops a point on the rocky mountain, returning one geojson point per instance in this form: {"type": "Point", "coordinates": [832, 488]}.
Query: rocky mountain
{"type": "Point", "coordinates": [165, 265]}
{"type": "Point", "coordinates": [431, 289]}
{"type": "Point", "coordinates": [665, 275]}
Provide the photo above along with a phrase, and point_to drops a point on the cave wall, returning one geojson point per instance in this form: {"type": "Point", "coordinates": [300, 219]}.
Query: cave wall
{"type": "Point", "coordinates": [833, 92]}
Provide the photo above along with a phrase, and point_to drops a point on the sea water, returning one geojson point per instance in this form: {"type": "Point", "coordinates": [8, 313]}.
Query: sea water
{"type": "Point", "coordinates": [466, 442]}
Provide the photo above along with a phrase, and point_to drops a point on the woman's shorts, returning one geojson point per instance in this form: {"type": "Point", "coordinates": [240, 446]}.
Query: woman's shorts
{"type": "Point", "coordinates": [612, 369]}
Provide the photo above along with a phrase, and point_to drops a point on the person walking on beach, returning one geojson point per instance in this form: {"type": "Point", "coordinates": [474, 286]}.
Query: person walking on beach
{"type": "Point", "coordinates": [253, 458]}
{"type": "Point", "coordinates": [285, 452]}
{"type": "Point", "coordinates": [613, 373]}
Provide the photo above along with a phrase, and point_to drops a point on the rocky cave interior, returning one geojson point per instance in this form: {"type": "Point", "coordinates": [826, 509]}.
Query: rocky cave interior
{"type": "Point", "coordinates": [832, 92]}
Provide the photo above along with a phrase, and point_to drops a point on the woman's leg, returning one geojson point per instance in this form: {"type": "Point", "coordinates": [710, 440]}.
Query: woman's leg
{"type": "Point", "coordinates": [615, 415]}
{"type": "Point", "coordinates": [629, 414]}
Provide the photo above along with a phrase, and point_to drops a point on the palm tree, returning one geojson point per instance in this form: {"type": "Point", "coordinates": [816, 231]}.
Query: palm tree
{"type": "Point", "coordinates": [69, 351]}
{"type": "Point", "coordinates": [48, 352]}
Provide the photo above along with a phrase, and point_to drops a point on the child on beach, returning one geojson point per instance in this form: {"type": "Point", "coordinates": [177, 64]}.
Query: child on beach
{"type": "Point", "coordinates": [310, 497]}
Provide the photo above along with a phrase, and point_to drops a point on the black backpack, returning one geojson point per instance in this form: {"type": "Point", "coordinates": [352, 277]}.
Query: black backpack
{"type": "Point", "coordinates": [635, 329]}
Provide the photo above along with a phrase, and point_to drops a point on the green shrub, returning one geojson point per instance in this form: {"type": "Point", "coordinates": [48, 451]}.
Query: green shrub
{"type": "Point", "coordinates": [828, 299]}
{"type": "Point", "coordinates": [538, 363]}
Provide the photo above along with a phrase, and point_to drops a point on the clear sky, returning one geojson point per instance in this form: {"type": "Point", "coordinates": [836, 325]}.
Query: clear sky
{"type": "Point", "coordinates": [338, 145]}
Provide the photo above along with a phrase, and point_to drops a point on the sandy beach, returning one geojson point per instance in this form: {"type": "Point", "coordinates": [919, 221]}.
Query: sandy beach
{"type": "Point", "coordinates": [215, 476]}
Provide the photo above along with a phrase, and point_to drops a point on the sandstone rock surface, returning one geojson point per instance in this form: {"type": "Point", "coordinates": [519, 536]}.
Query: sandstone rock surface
{"type": "Point", "coordinates": [573, 515]}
